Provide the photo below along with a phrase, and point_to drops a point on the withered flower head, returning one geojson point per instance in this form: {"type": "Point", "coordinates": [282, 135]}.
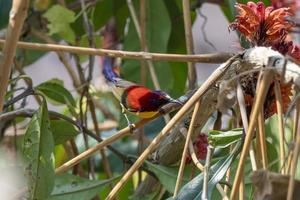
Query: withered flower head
{"type": "Point", "coordinates": [293, 4]}
{"type": "Point", "coordinates": [262, 26]}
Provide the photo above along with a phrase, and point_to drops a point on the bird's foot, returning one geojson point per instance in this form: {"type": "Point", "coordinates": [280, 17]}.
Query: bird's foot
{"type": "Point", "coordinates": [131, 127]}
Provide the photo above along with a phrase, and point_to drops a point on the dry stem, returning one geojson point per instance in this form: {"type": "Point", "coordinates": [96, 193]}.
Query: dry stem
{"type": "Point", "coordinates": [295, 130]}
{"type": "Point", "coordinates": [104, 143]}
{"type": "Point", "coordinates": [185, 149]}
{"type": "Point", "coordinates": [192, 79]}
{"type": "Point", "coordinates": [261, 94]}
{"type": "Point", "coordinates": [241, 102]}
{"type": "Point", "coordinates": [17, 17]}
{"type": "Point", "coordinates": [261, 141]}
{"type": "Point", "coordinates": [138, 30]}
{"type": "Point", "coordinates": [203, 58]}
{"type": "Point", "coordinates": [294, 167]}
{"type": "Point", "coordinates": [280, 124]}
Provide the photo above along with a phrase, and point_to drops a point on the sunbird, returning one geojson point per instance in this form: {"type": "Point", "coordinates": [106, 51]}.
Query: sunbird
{"type": "Point", "coordinates": [134, 98]}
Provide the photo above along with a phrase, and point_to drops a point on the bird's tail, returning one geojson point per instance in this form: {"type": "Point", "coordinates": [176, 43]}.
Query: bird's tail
{"type": "Point", "coordinates": [108, 72]}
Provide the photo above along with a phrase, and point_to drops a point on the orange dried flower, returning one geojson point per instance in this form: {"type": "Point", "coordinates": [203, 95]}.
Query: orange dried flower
{"type": "Point", "coordinates": [262, 26]}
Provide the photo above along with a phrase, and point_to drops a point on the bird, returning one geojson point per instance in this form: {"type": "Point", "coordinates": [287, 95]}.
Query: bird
{"type": "Point", "coordinates": [135, 99]}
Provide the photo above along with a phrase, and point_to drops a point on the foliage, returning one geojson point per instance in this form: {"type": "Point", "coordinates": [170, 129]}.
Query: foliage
{"type": "Point", "coordinates": [80, 118]}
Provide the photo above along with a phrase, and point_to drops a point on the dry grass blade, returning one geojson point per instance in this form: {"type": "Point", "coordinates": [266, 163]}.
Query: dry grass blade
{"type": "Point", "coordinates": [191, 102]}
{"type": "Point", "coordinates": [185, 149]}
{"type": "Point", "coordinates": [280, 124]}
{"type": "Point", "coordinates": [261, 94]}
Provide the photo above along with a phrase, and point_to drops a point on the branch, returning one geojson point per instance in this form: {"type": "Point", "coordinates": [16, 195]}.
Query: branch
{"type": "Point", "coordinates": [203, 58]}
{"type": "Point", "coordinates": [18, 15]}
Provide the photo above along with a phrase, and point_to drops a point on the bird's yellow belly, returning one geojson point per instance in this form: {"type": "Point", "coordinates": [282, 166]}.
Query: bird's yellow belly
{"type": "Point", "coordinates": [144, 114]}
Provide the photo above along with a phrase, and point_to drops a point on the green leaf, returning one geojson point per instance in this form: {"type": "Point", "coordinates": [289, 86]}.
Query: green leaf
{"type": "Point", "coordinates": [60, 19]}
{"type": "Point", "coordinates": [158, 29]}
{"type": "Point", "coordinates": [38, 147]}
{"type": "Point", "coordinates": [62, 131]}
{"type": "Point", "coordinates": [177, 45]}
{"type": "Point", "coordinates": [55, 91]}
{"type": "Point", "coordinates": [166, 175]}
{"type": "Point", "coordinates": [5, 6]}
{"type": "Point", "coordinates": [223, 139]}
{"type": "Point", "coordinates": [68, 186]}
{"type": "Point", "coordinates": [193, 189]}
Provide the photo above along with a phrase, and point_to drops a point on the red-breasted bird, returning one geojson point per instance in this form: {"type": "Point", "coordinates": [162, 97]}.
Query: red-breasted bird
{"type": "Point", "coordinates": [134, 98]}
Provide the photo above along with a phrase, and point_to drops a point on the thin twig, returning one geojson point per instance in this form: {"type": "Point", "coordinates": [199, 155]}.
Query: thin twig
{"type": "Point", "coordinates": [105, 162]}
{"type": "Point", "coordinates": [29, 113]}
{"type": "Point", "coordinates": [242, 106]}
{"type": "Point", "coordinates": [280, 124]}
{"type": "Point", "coordinates": [203, 58]}
{"type": "Point", "coordinates": [89, 152]}
{"type": "Point", "coordinates": [201, 168]}
{"type": "Point", "coordinates": [261, 94]}
{"type": "Point", "coordinates": [192, 78]}
{"type": "Point", "coordinates": [138, 30]}
{"type": "Point", "coordinates": [210, 151]}
{"type": "Point", "coordinates": [185, 149]}
{"type": "Point", "coordinates": [294, 167]}
{"type": "Point", "coordinates": [19, 68]}
{"type": "Point", "coordinates": [179, 115]}
{"type": "Point", "coordinates": [194, 157]}
{"type": "Point", "coordinates": [89, 29]}
{"type": "Point", "coordinates": [143, 39]}
{"type": "Point", "coordinates": [295, 131]}
{"type": "Point", "coordinates": [262, 139]}
{"type": "Point", "coordinates": [17, 17]}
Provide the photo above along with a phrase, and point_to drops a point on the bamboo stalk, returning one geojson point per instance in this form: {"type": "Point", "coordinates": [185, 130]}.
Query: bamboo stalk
{"type": "Point", "coordinates": [179, 115]}
{"type": "Point", "coordinates": [203, 58]}
{"type": "Point", "coordinates": [192, 78]}
{"type": "Point", "coordinates": [261, 94]}
{"type": "Point", "coordinates": [17, 17]}
{"type": "Point", "coordinates": [185, 149]}
{"type": "Point", "coordinates": [280, 124]}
